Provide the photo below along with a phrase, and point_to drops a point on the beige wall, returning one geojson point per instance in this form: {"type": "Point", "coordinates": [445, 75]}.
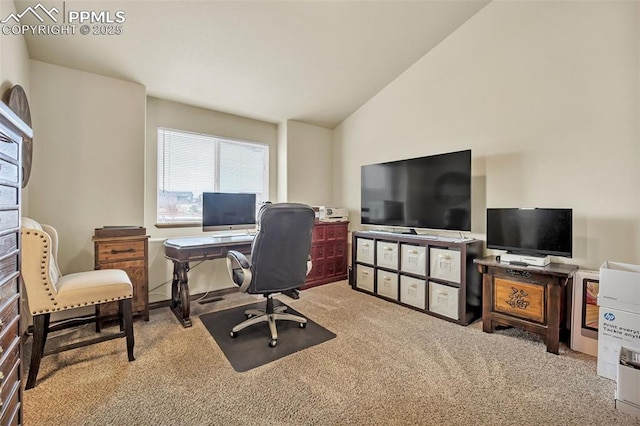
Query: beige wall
{"type": "Point", "coordinates": [282, 182]}
{"type": "Point", "coordinates": [88, 159]}
{"type": "Point", "coordinates": [14, 58]}
{"type": "Point", "coordinates": [309, 166]}
{"type": "Point", "coordinates": [546, 95]}
{"type": "Point", "coordinates": [211, 275]}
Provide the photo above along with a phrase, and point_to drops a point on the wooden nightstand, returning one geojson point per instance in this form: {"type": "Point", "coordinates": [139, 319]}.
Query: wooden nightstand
{"type": "Point", "coordinates": [127, 249]}
{"type": "Point", "coordinates": [328, 253]}
{"type": "Point", "coordinates": [531, 298]}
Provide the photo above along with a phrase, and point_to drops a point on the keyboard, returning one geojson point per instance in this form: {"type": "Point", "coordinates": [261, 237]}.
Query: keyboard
{"type": "Point", "coordinates": [233, 238]}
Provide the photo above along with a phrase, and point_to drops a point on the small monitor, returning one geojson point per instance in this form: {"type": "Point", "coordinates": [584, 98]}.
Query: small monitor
{"type": "Point", "coordinates": [536, 232]}
{"type": "Point", "coordinates": [222, 211]}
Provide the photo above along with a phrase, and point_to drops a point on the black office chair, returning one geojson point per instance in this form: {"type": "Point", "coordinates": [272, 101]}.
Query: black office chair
{"type": "Point", "coordinates": [280, 262]}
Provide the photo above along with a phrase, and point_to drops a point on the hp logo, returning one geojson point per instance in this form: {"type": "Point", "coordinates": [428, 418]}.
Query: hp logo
{"type": "Point", "coordinates": [609, 316]}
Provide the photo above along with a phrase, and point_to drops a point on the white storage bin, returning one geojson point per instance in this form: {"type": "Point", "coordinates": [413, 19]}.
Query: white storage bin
{"type": "Point", "coordinates": [365, 251]}
{"type": "Point", "coordinates": [413, 292]}
{"type": "Point", "coordinates": [387, 254]}
{"type": "Point", "coordinates": [443, 300]}
{"type": "Point", "coordinates": [387, 284]}
{"type": "Point", "coordinates": [445, 264]}
{"type": "Point", "coordinates": [364, 278]}
{"type": "Point", "coordinates": [413, 259]}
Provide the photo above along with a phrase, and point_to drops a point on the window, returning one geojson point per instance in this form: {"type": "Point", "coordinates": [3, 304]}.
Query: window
{"type": "Point", "coordinates": [191, 163]}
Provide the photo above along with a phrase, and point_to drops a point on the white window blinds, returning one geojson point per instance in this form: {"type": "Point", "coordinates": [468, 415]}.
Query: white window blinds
{"type": "Point", "coordinates": [190, 164]}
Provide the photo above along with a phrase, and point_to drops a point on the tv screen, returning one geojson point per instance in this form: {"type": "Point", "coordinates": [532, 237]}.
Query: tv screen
{"type": "Point", "coordinates": [426, 192]}
{"type": "Point", "coordinates": [228, 211]}
{"type": "Point", "coordinates": [538, 231]}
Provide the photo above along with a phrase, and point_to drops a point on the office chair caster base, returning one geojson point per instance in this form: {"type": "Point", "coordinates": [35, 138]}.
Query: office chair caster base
{"type": "Point", "coordinates": [273, 343]}
{"type": "Point", "coordinates": [233, 334]}
{"type": "Point", "coordinates": [302, 325]}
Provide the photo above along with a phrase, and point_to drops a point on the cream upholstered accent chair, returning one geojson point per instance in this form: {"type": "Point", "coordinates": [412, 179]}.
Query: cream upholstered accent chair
{"type": "Point", "coordinates": [48, 291]}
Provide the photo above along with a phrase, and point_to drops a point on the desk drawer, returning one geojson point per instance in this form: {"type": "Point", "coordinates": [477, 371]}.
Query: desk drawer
{"type": "Point", "coordinates": [8, 312]}
{"type": "Point", "coordinates": [120, 250]}
{"type": "Point", "coordinates": [9, 334]}
{"type": "Point", "coordinates": [8, 219]}
{"type": "Point", "coordinates": [8, 289]}
{"type": "Point", "coordinates": [8, 195]}
{"type": "Point", "coordinates": [9, 398]}
{"type": "Point", "coordinates": [10, 149]}
{"type": "Point", "coordinates": [8, 243]}
{"type": "Point", "coordinates": [8, 172]}
{"type": "Point", "coordinates": [8, 265]}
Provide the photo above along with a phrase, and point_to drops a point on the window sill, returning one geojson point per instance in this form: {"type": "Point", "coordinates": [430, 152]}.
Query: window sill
{"type": "Point", "coordinates": [179, 225]}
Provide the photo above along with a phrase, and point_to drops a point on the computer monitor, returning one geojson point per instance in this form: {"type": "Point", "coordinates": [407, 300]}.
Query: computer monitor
{"type": "Point", "coordinates": [222, 211]}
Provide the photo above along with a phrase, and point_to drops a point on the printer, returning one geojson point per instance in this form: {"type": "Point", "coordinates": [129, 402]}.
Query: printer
{"type": "Point", "coordinates": [332, 214]}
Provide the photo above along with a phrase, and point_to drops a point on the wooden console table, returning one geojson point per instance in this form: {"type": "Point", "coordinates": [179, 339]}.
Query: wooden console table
{"type": "Point", "coordinates": [527, 297]}
{"type": "Point", "coordinates": [181, 251]}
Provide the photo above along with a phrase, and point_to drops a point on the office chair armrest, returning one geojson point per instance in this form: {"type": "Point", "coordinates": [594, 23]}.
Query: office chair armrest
{"type": "Point", "coordinates": [235, 257]}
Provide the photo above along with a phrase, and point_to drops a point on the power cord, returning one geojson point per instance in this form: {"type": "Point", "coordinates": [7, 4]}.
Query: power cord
{"type": "Point", "coordinates": [171, 279]}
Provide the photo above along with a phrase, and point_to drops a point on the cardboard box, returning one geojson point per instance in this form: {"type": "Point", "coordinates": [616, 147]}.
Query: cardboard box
{"type": "Point", "coordinates": [620, 286]}
{"type": "Point", "coordinates": [631, 409]}
{"type": "Point", "coordinates": [616, 328]}
{"type": "Point", "coordinates": [628, 383]}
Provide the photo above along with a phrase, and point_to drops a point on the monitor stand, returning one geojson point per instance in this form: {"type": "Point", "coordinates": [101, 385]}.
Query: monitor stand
{"type": "Point", "coordinates": [519, 259]}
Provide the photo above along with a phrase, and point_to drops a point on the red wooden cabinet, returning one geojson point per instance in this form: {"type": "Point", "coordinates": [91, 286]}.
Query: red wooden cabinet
{"type": "Point", "coordinates": [328, 253]}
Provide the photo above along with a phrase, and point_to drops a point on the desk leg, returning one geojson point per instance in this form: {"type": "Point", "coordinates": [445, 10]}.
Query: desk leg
{"type": "Point", "coordinates": [180, 293]}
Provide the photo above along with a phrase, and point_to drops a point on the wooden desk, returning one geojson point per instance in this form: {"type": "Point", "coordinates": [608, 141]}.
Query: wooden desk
{"type": "Point", "coordinates": [528, 297]}
{"type": "Point", "coordinates": [181, 251]}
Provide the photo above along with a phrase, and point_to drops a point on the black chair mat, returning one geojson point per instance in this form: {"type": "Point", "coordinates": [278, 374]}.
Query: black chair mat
{"type": "Point", "coordinates": [251, 348]}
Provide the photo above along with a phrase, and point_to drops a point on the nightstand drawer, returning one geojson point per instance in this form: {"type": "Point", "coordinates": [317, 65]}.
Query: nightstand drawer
{"type": "Point", "coordinates": [519, 299]}
{"type": "Point", "coordinates": [120, 250]}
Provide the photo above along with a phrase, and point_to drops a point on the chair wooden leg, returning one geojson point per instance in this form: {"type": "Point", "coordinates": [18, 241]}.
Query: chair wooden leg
{"type": "Point", "coordinates": [125, 311]}
{"type": "Point", "coordinates": [40, 331]}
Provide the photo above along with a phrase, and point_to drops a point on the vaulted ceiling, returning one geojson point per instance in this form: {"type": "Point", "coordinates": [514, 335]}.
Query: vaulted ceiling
{"type": "Point", "coordinates": [312, 61]}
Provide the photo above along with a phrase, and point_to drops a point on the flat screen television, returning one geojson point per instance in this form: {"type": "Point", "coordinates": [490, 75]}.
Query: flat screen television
{"type": "Point", "coordinates": [534, 231]}
{"type": "Point", "coordinates": [222, 211]}
{"type": "Point", "coordinates": [427, 192]}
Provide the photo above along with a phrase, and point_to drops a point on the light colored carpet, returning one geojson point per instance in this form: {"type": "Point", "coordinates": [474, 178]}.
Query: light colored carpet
{"type": "Point", "coordinates": [388, 365]}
